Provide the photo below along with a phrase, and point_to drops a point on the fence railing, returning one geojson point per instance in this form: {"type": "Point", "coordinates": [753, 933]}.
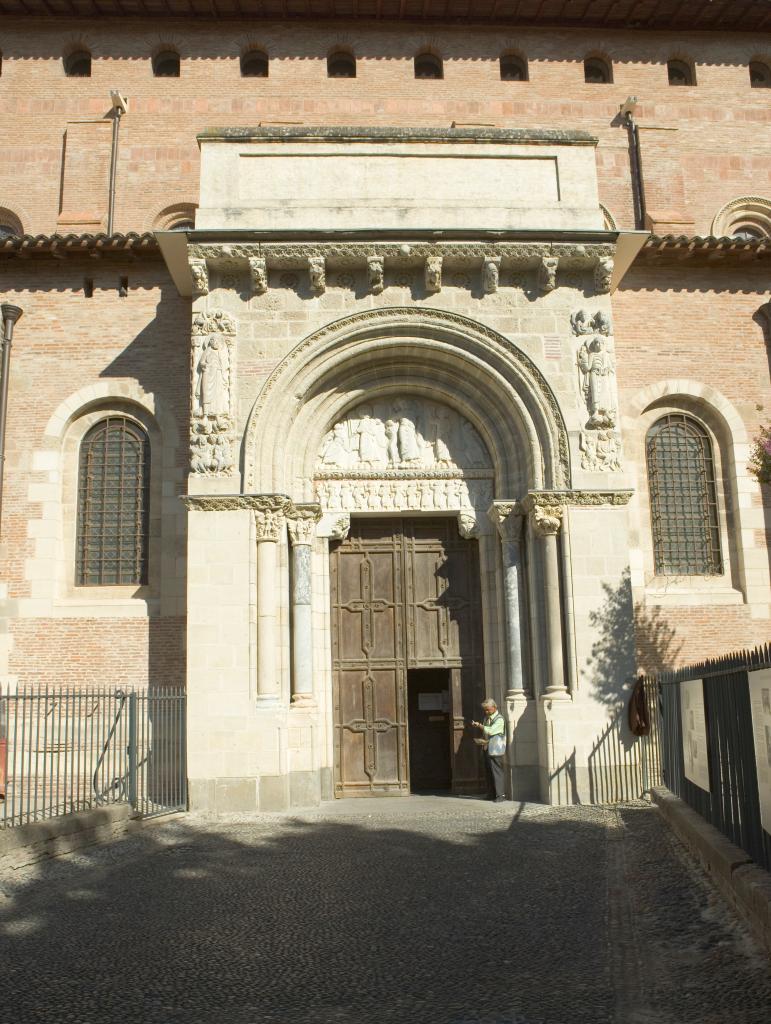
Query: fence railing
{"type": "Point", "coordinates": [64, 751]}
{"type": "Point", "coordinates": [711, 751]}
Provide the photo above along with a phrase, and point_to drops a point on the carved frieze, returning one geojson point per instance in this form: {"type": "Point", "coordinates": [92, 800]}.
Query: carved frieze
{"type": "Point", "coordinates": [420, 493]}
{"type": "Point", "coordinates": [582, 499]}
{"type": "Point", "coordinates": [235, 502]}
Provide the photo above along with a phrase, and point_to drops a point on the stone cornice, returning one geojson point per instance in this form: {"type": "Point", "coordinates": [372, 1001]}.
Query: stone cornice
{"type": "Point", "coordinates": [584, 499]}
{"type": "Point", "coordinates": [235, 502]}
{"type": "Point", "coordinates": [335, 133]}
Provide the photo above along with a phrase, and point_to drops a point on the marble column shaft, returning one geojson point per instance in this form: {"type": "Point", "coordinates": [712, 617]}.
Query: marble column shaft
{"type": "Point", "coordinates": [509, 524]}
{"type": "Point", "coordinates": [270, 527]}
{"type": "Point", "coordinates": [546, 524]}
{"type": "Point", "coordinates": [302, 527]}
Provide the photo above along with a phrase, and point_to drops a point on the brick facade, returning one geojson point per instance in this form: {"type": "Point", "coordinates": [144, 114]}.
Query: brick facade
{"type": "Point", "coordinates": [702, 146]}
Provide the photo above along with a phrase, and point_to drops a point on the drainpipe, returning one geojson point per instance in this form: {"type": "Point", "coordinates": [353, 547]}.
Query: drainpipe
{"type": "Point", "coordinates": [638, 188]}
{"type": "Point", "coordinates": [119, 108]}
{"type": "Point", "coordinates": [10, 315]}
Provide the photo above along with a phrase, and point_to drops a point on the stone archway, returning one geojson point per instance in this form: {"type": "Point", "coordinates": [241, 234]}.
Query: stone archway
{"type": "Point", "coordinates": [436, 355]}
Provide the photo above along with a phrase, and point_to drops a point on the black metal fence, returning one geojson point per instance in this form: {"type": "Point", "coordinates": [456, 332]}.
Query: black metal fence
{"type": "Point", "coordinates": [732, 803]}
{"type": "Point", "coordinates": [64, 751]}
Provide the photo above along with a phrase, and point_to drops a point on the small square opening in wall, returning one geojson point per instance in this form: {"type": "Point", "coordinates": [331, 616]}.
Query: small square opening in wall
{"type": "Point", "coordinates": [88, 288]}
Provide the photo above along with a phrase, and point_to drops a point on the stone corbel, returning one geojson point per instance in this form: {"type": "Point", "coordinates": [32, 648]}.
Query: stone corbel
{"type": "Point", "coordinates": [258, 273]}
{"type": "Point", "coordinates": [603, 272]}
{"type": "Point", "coordinates": [468, 526]}
{"type": "Point", "coordinates": [376, 274]}
{"type": "Point", "coordinates": [301, 523]}
{"type": "Point", "coordinates": [200, 274]}
{"type": "Point", "coordinates": [491, 272]}
{"type": "Point", "coordinates": [339, 528]}
{"type": "Point", "coordinates": [433, 273]}
{"type": "Point", "coordinates": [547, 274]}
{"type": "Point", "coordinates": [317, 268]}
{"type": "Point", "coordinates": [270, 516]}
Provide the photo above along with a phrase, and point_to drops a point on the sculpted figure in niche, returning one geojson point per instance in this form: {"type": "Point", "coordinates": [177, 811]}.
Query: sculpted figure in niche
{"type": "Point", "coordinates": [212, 389]}
{"type": "Point", "coordinates": [598, 372]}
{"type": "Point", "coordinates": [371, 439]}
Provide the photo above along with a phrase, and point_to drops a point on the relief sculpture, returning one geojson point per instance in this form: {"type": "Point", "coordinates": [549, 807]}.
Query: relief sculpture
{"type": "Point", "coordinates": [403, 454]}
{"type": "Point", "coordinates": [600, 441]}
{"type": "Point", "coordinates": [211, 421]}
{"type": "Point", "coordinates": [403, 434]}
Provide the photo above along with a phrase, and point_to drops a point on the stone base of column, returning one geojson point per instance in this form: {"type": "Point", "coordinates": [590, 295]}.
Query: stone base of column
{"type": "Point", "coordinates": [562, 767]}
{"type": "Point", "coordinates": [303, 701]}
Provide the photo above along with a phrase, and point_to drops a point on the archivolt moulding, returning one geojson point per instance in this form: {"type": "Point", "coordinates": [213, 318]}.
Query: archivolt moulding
{"type": "Point", "coordinates": [750, 212]}
{"type": "Point", "coordinates": [398, 349]}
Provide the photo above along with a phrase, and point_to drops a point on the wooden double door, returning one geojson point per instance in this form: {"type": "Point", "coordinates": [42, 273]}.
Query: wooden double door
{"type": "Point", "coordinates": [407, 657]}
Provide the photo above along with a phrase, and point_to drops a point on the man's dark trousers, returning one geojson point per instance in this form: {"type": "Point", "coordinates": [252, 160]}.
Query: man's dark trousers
{"type": "Point", "coordinates": [494, 776]}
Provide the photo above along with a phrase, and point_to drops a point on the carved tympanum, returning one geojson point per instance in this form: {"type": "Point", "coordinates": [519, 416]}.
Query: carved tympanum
{"type": "Point", "coordinates": [403, 434]}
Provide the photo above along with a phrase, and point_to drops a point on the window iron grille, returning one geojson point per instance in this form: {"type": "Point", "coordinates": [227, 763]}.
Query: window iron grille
{"type": "Point", "coordinates": [113, 504]}
{"type": "Point", "coordinates": [681, 481]}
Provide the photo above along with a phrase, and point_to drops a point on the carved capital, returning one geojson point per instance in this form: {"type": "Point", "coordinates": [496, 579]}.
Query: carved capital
{"type": "Point", "coordinates": [258, 273]}
{"type": "Point", "coordinates": [270, 515]}
{"type": "Point", "coordinates": [433, 273]}
{"type": "Point", "coordinates": [507, 516]}
{"type": "Point", "coordinates": [200, 276]}
{"type": "Point", "coordinates": [491, 269]}
{"type": "Point", "coordinates": [375, 274]}
{"type": "Point", "coordinates": [603, 272]}
{"type": "Point", "coordinates": [545, 514]}
{"type": "Point", "coordinates": [547, 274]}
{"type": "Point", "coordinates": [301, 523]}
{"type": "Point", "coordinates": [317, 268]}
{"type": "Point", "coordinates": [340, 527]}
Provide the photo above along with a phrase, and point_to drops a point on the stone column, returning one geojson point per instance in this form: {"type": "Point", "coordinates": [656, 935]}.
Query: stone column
{"type": "Point", "coordinates": [547, 520]}
{"type": "Point", "coordinates": [302, 525]}
{"type": "Point", "coordinates": [269, 520]}
{"type": "Point", "coordinates": [507, 517]}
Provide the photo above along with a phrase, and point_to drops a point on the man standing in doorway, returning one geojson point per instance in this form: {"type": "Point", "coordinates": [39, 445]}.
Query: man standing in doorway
{"type": "Point", "coordinates": [494, 731]}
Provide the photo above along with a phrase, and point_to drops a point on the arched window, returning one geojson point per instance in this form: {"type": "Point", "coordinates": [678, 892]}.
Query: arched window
{"type": "Point", "coordinates": [341, 65]}
{"type": "Point", "coordinates": [7, 231]}
{"type": "Point", "coordinates": [428, 66]}
{"type": "Point", "coordinates": [166, 64]}
{"type": "Point", "coordinates": [113, 493]}
{"type": "Point", "coordinates": [78, 64]}
{"type": "Point", "coordinates": [760, 75]}
{"type": "Point", "coordinates": [680, 73]}
{"type": "Point", "coordinates": [254, 64]}
{"type": "Point", "coordinates": [513, 69]}
{"type": "Point", "coordinates": [597, 71]}
{"type": "Point", "coordinates": [681, 481]}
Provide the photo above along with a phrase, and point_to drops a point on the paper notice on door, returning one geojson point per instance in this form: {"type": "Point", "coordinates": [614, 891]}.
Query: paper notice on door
{"type": "Point", "coordinates": [694, 732]}
{"type": "Point", "coordinates": [760, 703]}
{"type": "Point", "coordinates": [429, 702]}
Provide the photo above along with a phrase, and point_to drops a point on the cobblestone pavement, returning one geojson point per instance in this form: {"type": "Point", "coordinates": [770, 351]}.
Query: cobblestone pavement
{"type": "Point", "coordinates": [430, 910]}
